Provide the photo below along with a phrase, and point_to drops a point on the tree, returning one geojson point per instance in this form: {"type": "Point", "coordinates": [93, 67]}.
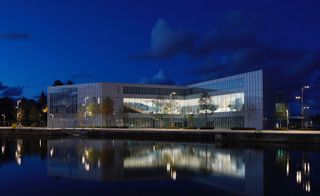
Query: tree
{"type": "Point", "coordinates": [7, 107]}
{"type": "Point", "coordinates": [106, 107]}
{"type": "Point", "coordinates": [206, 104]}
{"type": "Point", "coordinates": [92, 109]}
{"type": "Point", "coordinates": [81, 114]}
{"type": "Point", "coordinates": [281, 112]}
{"type": "Point", "coordinates": [169, 108]}
{"type": "Point", "coordinates": [119, 116]}
{"type": "Point", "coordinates": [190, 119]}
{"type": "Point", "coordinates": [69, 82]}
{"type": "Point", "coordinates": [158, 105]}
{"type": "Point", "coordinates": [23, 111]}
{"type": "Point", "coordinates": [30, 111]}
{"type": "Point", "coordinates": [42, 100]}
{"type": "Point", "coordinates": [34, 115]}
{"type": "Point", "coordinates": [58, 83]}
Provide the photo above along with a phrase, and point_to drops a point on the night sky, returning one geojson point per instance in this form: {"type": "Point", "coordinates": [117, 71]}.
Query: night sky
{"type": "Point", "coordinates": [167, 41]}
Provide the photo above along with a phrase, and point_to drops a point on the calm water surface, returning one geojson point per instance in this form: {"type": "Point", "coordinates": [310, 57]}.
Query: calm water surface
{"type": "Point", "coordinates": [73, 166]}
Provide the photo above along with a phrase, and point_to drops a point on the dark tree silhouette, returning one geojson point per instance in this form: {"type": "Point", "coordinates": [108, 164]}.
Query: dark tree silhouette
{"type": "Point", "coordinates": [7, 107]}
{"type": "Point", "coordinates": [57, 83]}
{"type": "Point", "coordinates": [32, 111]}
{"type": "Point", "coordinates": [42, 100]}
{"type": "Point", "coordinates": [206, 104]}
{"type": "Point", "coordinates": [107, 108]}
{"type": "Point", "coordinates": [42, 104]}
{"type": "Point", "coordinates": [69, 82]}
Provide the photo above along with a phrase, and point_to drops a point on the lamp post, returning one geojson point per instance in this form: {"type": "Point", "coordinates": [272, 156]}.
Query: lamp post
{"type": "Point", "coordinates": [85, 100]}
{"type": "Point", "coordinates": [18, 112]}
{"type": "Point", "coordinates": [171, 116]}
{"type": "Point", "coordinates": [85, 117]}
{"type": "Point", "coordinates": [306, 108]}
{"type": "Point", "coordinates": [301, 98]}
{"type": "Point", "coordinates": [51, 116]}
{"type": "Point", "coordinates": [4, 119]}
{"type": "Point", "coordinates": [85, 110]}
{"type": "Point", "coordinates": [287, 116]}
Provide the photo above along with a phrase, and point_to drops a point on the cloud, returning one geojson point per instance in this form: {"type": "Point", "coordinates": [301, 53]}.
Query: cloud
{"type": "Point", "coordinates": [240, 41]}
{"type": "Point", "coordinates": [166, 42]}
{"type": "Point", "coordinates": [284, 70]}
{"type": "Point", "coordinates": [238, 45]}
{"type": "Point", "coordinates": [12, 92]}
{"type": "Point", "coordinates": [3, 87]}
{"type": "Point", "coordinates": [14, 36]}
{"type": "Point", "coordinates": [233, 31]}
{"type": "Point", "coordinates": [7, 91]}
{"type": "Point", "coordinates": [161, 77]}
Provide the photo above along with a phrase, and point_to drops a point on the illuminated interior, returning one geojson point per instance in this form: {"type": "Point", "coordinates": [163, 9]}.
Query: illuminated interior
{"type": "Point", "coordinates": [224, 103]}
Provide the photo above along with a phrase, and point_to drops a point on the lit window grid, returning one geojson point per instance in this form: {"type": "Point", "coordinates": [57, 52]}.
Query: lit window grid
{"type": "Point", "coordinates": [225, 103]}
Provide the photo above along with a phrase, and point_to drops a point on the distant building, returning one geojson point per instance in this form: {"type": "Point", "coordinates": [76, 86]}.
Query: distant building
{"type": "Point", "coordinates": [281, 110]}
{"type": "Point", "coordinates": [234, 101]}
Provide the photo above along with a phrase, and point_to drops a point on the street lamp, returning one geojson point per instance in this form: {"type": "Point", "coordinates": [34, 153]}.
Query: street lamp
{"type": "Point", "coordinates": [171, 94]}
{"type": "Point", "coordinates": [85, 100]}
{"type": "Point", "coordinates": [305, 113]}
{"type": "Point", "coordinates": [85, 109]}
{"type": "Point", "coordinates": [301, 98]}
{"type": "Point", "coordinates": [51, 116]}
{"type": "Point", "coordinates": [85, 116]}
{"type": "Point", "coordinates": [287, 117]}
{"type": "Point", "coordinates": [18, 112]}
{"type": "Point", "coordinates": [18, 103]}
{"type": "Point", "coordinates": [4, 119]}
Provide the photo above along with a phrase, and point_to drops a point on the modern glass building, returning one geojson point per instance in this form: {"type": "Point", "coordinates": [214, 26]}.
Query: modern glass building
{"type": "Point", "coordinates": [234, 101]}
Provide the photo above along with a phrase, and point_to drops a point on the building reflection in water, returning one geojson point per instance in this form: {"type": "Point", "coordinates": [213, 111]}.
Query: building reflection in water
{"type": "Point", "coordinates": [239, 171]}
{"type": "Point", "coordinates": [301, 172]}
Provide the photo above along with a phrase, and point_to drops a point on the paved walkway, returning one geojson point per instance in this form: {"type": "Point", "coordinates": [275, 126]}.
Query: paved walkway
{"type": "Point", "coordinates": [304, 132]}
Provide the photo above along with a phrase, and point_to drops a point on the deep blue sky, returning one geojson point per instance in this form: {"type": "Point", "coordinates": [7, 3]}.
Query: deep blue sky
{"type": "Point", "coordinates": [158, 42]}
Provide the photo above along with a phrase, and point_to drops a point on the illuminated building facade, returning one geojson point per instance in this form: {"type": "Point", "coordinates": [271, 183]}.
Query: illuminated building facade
{"type": "Point", "coordinates": [233, 101]}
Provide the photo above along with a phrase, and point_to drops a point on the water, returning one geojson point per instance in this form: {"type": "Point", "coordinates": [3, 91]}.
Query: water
{"type": "Point", "coordinates": [73, 166]}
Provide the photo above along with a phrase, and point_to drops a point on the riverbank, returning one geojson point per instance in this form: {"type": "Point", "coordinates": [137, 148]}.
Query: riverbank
{"type": "Point", "coordinates": [297, 136]}
{"type": "Point", "coordinates": [32, 131]}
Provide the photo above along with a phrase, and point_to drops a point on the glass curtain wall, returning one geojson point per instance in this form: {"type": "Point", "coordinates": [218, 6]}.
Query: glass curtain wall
{"type": "Point", "coordinates": [224, 103]}
{"type": "Point", "coordinates": [234, 101]}
{"type": "Point", "coordinates": [186, 112]}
